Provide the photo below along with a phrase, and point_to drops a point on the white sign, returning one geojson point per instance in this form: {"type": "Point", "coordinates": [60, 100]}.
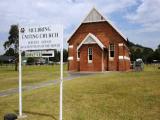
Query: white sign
{"type": "Point", "coordinates": [40, 37]}
{"type": "Point", "coordinates": [48, 53]}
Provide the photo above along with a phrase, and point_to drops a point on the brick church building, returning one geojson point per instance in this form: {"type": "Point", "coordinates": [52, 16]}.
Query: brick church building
{"type": "Point", "coordinates": [97, 45]}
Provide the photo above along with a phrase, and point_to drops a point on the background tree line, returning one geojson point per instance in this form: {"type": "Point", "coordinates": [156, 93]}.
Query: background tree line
{"type": "Point", "coordinates": [145, 53]}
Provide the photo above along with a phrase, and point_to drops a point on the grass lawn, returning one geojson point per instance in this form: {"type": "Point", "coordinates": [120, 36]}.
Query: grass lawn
{"type": "Point", "coordinates": [31, 75]}
{"type": "Point", "coordinates": [105, 96]}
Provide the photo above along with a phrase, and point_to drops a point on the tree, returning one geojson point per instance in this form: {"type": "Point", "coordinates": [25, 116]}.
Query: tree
{"type": "Point", "coordinates": [30, 61]}
{"type": "Point", "coordinates": [138, 53]}
{"type": "Point", "coordinates": [147, 55]}
{"type": "Point", "coordinates": [156, 54]}
{"type": "Point", "coordinates": [56, 57]}
{"type": "Point", "coordinates": [10, 52]}
{"type": "Point", "coordinates": [12, 42]}
{"type": "Point", "coordinates": [65, 55]}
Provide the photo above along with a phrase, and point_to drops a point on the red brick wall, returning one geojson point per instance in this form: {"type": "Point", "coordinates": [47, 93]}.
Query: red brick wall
{"type": "Point", "coordinates": [105, 61]}
{"type": "Point", "coordinates": [72, 52]}
{"type": "Point", "coordinates": [113, 64]}
{"type": "Point", "coordinates": [106, 34]}
{"type": "Point", "coordinates": [101, 30]}
{"type": "Point", "coordinates": [124, 64]}
{"type": "Point", "coordinates": [96, 64]}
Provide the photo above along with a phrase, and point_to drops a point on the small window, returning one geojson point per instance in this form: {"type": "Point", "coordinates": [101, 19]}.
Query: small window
{"type": "Point", "coordinates": [111, 50]}
{"type": "Point", "coordinates": [90, 55]}
{"type": "Point", "coordinates": [78, 54]}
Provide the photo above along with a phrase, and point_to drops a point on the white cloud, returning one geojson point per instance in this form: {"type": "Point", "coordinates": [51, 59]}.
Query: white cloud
{"type": "Point", "coordinates": [40, 12]}
{"type": "Point", "coordinates": [67, 12]}
{"type": "Point", "coordinates": [147, 15]}
{"type": "Point", "coordinates": [71, 12]}
{"type": "Point", "coordinates": [110, 6]}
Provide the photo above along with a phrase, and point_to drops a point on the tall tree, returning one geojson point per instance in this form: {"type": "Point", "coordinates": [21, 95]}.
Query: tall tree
{"type": "Point", "coordinates": [9, 52]}
{"type": "Point", "coordinates": [65, 55]}
{"type": "Point", "coordinates": [147, 55]}
{"type": "Point", "coordinates": [157, 53]}
{"type": "Point", "coordinates": [12, 42]}
{"type": "Point", "coordinates": [57, 54]}
{"type": "Point", "coordinates": [56, 57]}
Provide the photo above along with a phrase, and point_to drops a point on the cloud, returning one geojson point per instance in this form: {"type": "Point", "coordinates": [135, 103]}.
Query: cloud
{"type": "Point", "coordinates": [67, 12]}
{"type": "Point", "coordinates": [40, 12]}
{"type": "Point", "coordinates": [110, 6]}
{"type": "Point", "coordinates": [147, 15]}
{"type": "Point", "coordinates": [71, 12]}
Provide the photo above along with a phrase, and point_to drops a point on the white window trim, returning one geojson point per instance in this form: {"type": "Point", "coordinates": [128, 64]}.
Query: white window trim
{"type": "Point", "coordinates": [120, 44]}
{"type": "Point", "coordinates": [90, 61]}
{"type": "Point", "coordinates": [78, 59]}
{"type": "Point", "coordinates": [124, 58]}
{"type": "Point", "coordinates": [94, 38]}
{"type": "Point", "coordinates": [70, 46]}
{"type": "Point", "coordinates": [111, 58]}
{"type": "Point", "coordinates": [121, 57]}
{"type": "Point", "coordinates": [70, 58]}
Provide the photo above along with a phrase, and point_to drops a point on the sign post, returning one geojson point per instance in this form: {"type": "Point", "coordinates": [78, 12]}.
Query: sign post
{"type": "Point", "coordinates": [61, 85]}
{"type": "Point", "coordinates": [20, 84]}
{"type": "Point", "coordinates": [38, 38]}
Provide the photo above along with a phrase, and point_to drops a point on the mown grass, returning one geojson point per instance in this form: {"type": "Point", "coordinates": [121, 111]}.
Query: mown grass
{"type": "Point", "coordinates": [30, 75]}
{"type": "Point", "coordinates": [106, 96]}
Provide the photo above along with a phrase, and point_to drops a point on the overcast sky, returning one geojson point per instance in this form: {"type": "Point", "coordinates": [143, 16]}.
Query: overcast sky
{"type": "Point", "coordinates": [139, 20]}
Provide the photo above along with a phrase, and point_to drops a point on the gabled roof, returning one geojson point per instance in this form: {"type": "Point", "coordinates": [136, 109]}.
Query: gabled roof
{"type": "Point", "coordinates": [95, 16]}
{"type": "Point", "coordinates": [91, 39]}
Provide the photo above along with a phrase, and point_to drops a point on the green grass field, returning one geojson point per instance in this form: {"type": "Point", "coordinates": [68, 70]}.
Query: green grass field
{"type": "Point", "coordinates": [104, 96]}
{"type": "Point", "coordinates": [30, 75]}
